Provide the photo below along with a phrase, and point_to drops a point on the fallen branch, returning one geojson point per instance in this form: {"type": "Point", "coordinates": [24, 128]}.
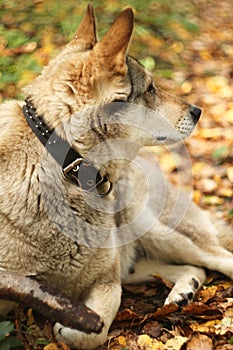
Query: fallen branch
{"type": "Point", "coordinates": [54, 306]}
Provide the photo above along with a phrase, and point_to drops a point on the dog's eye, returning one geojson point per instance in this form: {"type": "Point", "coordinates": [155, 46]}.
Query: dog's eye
{"type": "Point", "coordinates": [151, 88]}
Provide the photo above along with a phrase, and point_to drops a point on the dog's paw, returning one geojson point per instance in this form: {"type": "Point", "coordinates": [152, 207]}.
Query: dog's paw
{"type": "Point", "coordinates": [78, 340]}
{"type": "Point", "coordinates": [180, 299]}
{"type": "Point", "coordinates": [182, 293]}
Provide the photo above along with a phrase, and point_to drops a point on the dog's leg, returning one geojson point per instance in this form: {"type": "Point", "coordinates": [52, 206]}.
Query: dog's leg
{"type": "Point", "coordinates": [187, 279]}
{"type": "Point", "coordinates": [104, 298]}
{"type": "Point", "coordinates": [196, 247]}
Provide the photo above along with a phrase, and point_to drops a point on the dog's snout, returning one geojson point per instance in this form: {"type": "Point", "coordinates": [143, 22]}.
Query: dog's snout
{"type": "Point", "coordinates": [195, 113]}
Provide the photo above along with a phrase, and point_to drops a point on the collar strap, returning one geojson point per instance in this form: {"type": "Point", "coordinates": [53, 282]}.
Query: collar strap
{"type": "Point", "coordinates": [74, 167]}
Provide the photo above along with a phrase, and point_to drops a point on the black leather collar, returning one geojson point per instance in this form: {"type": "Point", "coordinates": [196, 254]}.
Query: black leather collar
{"type": "Point", "coordinates": [74, 167]}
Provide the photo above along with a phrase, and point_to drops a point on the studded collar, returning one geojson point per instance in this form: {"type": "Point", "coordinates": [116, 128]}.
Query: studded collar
{"type": "Point", "coordinates": [74, 166]}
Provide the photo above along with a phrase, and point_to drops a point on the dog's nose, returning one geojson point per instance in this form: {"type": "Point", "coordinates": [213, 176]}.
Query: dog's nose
{"type": "Point", "coordinates": [195, 113]}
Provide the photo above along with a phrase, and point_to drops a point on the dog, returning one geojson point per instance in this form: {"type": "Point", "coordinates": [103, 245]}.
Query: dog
{"type": "Point", "coordinates": [81, 209]}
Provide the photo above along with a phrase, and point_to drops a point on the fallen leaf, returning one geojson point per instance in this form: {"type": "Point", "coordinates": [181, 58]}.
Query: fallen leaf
{"type": "Point", "coordinates": [202, 310]}
{"type": "Point", "coordinates": [30, 317]}
{"type": "Point", "coordinates": [205, 327]}
{"type": "Point", "coordinates": [57, 346]}
{"type": "Point", "coordinates": [165, 310]}
{"type": "Point", "coordinates": [213, 133]}
{"type": "Point", "coordinates": [126, 314]}
{"type": "Point", "coordinates": [207, 293]}
{"type": "Point", "coordinates": [148, 343]}
{"type": "Point", "coordinates": [225, 326]}
{"type": "Point", "coordinates": [230, 173]}
{"type": "Point", "coordinates": [152, 328]}
{"type": "Point", "coordinates": [121, 340]}
{"type": "Point", "coordinates": [176, 343]}
{"type": "Point", "coordinates": [207, 185]}
{"type": "Point", "coordinates": [225, 192]}
{"type": "Point", "coordinates": [200, 342]}
{"type": "Point", "coordinates": [212, 200]}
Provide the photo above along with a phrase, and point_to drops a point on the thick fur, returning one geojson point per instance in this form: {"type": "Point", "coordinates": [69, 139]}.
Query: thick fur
{"type": "Point", "coordinates": [80, 243]}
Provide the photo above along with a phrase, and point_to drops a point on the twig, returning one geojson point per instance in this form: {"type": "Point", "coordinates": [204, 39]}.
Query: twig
{"type": "Point", "coordinates": [53, 305]}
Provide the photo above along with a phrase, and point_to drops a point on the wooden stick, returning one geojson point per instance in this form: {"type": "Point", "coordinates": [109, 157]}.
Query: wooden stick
{"type": "Point", "coordinates": [53, 305]}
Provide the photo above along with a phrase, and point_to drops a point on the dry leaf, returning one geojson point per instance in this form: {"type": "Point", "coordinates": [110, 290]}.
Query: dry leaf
{"type": "Point", "coordinates": [152, 328]}
{"type": "Point", "coordinates": [121, 340]}
{"type": "Point", "coordinates": [205, 327]}
{"type": "Point", "coordinates": [207, 185]}
{"type": "Point", "coordinates": [57, 346]}
{"type": "Point", "coordinates": [148, 343]}
{"type": "Point", "coordinates": [126, 314]}
{"type": "Point", "coordinates": [164, 311]}
{"type": "Point", "coordinates": [213, 133]}
{"type": "Point", "coordinates": [204, 311]}
{"type": "Point", "coordinates": [176, 343]}
{"type": "Point", "coordinates": [200, 342]}
{"type": "Point", "coordinates": [207, 293]}
{"type": "Point", "coordinates": [212, 200]}
{"type": "Point", "coordinates": [230, 173]}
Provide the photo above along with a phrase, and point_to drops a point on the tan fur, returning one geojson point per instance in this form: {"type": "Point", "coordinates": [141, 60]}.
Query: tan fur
{"type": "Point", "coordinates": [73, 240]}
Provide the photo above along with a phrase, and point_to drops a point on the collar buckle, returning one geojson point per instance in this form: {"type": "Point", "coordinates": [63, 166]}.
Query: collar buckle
{"type": "Point", "coordinates": [74, 166]}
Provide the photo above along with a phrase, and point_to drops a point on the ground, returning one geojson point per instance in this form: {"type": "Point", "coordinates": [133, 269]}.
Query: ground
{"type": "Point", "coordinates": [189, 48]}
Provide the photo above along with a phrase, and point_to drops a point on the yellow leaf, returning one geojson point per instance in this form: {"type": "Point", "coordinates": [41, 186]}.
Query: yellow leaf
{"type": "Point", "coordinates": [219, 85]}
{"type": "Point", "coordinates": [198, 167]}
{"type": "Point", "coordinates": [197, 196]}
{"type": "Point", "coordinates": [212, 133]}
{"type": "Point", "coordinates": [212, 200]}
{"type": "Point", "coordinates": [168, 163]}
{"type": "Point", "coordinates": [186, 87]}
{"type": "Point", "coordinates": [30, 318]}
{"type": "Point", "coordinates": [176, 343]}
{"type": "Point", "coordinates": [57, 346]}
{"type": "Point", "coordinates": [205, 327]}
{"type": "Point", "coordinates": [121, 340]}
{"type": "Point", "coordinates": [229, 115]}
{"type": "Point", "coordinates": [225, 192]}
{"type": "Point", "coordinates": [208, 293]}
{"type": "Point", "coordinates": [206, 55]}
{"type": "Point", "coordinates": [150, 344]}
{"type": "Point", "coordinates": [230, 173]}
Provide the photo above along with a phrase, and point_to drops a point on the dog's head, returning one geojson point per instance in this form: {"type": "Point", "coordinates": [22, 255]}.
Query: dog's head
{"type": "Point", "coordinates": [95, 73]}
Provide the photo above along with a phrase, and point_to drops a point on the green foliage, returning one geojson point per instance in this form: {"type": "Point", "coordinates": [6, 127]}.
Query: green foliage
{"type": "Point", "coordinates": [220, 153]}
{"type": "Point", "coordinates": [8, 341]}
{"type": "Point", "coordinates": [42, 341]}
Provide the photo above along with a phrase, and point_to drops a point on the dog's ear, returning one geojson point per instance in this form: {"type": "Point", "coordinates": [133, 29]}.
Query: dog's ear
{"type": "Point", "coordinates": [87, 28]}
{"type": "Point", "coordinates": [112, 48]}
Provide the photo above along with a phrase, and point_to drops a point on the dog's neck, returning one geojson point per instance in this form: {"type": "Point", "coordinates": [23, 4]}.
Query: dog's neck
{"type": "Point", "coordinates": [77, 169]}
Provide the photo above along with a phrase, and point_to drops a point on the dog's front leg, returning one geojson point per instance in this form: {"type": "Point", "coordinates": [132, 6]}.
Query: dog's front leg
{"type": "Point", "coordinates": [104, 298]}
